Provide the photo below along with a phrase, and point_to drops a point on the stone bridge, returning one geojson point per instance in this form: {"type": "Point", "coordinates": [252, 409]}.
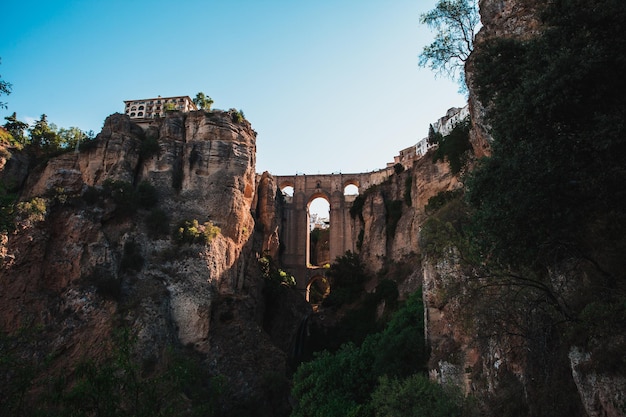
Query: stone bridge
{"type": "Point", "coordinates": [295, 235]}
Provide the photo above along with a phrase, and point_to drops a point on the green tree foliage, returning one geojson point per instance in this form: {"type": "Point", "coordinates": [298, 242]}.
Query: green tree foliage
{"type": "Point", "coordinates": [273, 274]}
{"type": "Point", "coordinates": [393, 212]}
{"type": "Point", "coordinates": [455, 147]}
{"type": "Point", "coordinates": [342, 383]}
{"type": "Point", "coordinates": [236, 116]}
{"type": "Point", "coordinates": [44, 135]}
{"type": "Point", "coordinates": [415, 396]}
{"type": "Point", "coordinates": [72, 137]}
{"type": "Point", "coordinates": [556, 177]}
{"type": "Point", "coordinates": [132, 260]}
{"type": "Point", "coordinates": [548, 203]}
{"type": "Point", "coordinates": [16, 128]}
{"type": "Point", "coordinates": [455, 23]}
{"type": "Point", "coordinates": [113, 385]}
{"type": "Point", "coordinates": [158, 223]}
{"type": "Point", "coordinates": [46, 138]}
{"type": "Point", "coordinates": [192, 232]}
{"type": "Point", "coordinates": [203, 101]}
{"type": "Point", "coordinates": [7, 208]}
{"type": "Point", "coordinates": [347, 276]}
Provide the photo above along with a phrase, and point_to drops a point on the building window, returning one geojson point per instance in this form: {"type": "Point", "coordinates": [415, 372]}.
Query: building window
{"type": "Point", "coordinates": [140, 107]}
{"type": "Point", "coordinates": [132, 115]}
{"type": "Point", "coordinates": [133, 108]}
{"type": "Point", "coordinates": [140, 114]}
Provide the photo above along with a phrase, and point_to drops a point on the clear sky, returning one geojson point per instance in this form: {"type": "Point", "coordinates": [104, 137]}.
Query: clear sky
{"type": "Point", "coordinates": [328, 85]}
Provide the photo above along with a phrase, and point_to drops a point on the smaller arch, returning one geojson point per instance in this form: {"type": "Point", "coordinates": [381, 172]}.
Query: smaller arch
{"type": "Point", "coordinates": [350, 189]}
{"type": "Point", "coordinates": [317, 289]}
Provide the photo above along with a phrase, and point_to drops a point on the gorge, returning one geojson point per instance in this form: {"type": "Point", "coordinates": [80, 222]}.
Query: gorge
{"type": "Point", "coordinates": [147, 272]}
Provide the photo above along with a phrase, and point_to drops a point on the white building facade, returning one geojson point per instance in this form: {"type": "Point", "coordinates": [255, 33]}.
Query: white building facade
{"type": "Point", "coordinates": [151, 108]}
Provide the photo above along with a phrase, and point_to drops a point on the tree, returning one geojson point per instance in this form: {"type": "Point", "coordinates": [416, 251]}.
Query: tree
{"type": "Point", "coordinates": [341, 383]}
{"type": "Point", "coordinates": [71, 137]}
{"type": "Point", "coordinates": [16, 128]}
{"type": "Point", "coordinates": [455, 22]}
{"type": "Point", "coordinates": [44, 135]}
{"type": "Point", "coordinates": [203, 101]}
{"type": "Point", "coordinates": [5, 88]}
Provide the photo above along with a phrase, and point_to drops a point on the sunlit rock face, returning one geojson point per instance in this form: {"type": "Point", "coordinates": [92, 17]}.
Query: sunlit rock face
{"type": "Point", "coordinates": [84, 266]}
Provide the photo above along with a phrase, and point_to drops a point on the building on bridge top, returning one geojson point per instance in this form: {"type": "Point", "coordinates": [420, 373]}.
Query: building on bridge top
{"type": "Point", "coordinates": [151, 108]}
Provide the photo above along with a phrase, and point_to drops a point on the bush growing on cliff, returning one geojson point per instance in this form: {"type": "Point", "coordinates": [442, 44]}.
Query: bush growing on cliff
{"type": "Point", "coordinates": [455, 147]}
{"type": "Point", "coordinates": [347, 275]}
{"type": "Point", "coordinates": [7, 209]}
{"type": "Point", "coordinates": [132, 260]}
{"type": "Point", "coordinates": [237, 116]}
{"type": "Point", "coordinates": [415, 396]}
{"type": "Point", "coordinates": [192, 232]}
{"type": "Point", "coordinates": [273, 274]}
{"type": "Point", "coordinates": [408, 186]}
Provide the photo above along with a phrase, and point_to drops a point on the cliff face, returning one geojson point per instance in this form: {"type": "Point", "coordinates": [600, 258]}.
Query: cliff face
{"type": "Point", "coordinates": [500, 19]}
{"type": "Point", "coordinates": [476, 335]}
{"type": "Point", "coordinates": [393, 214]}
{"type": "Point", "coordinates": [96, 257]}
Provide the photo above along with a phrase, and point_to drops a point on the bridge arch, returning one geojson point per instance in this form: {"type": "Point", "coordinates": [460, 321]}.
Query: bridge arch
{"type": "Point", "coordinates": [343, 232]}
{"type": "Point", "coordinates": [317, 289]}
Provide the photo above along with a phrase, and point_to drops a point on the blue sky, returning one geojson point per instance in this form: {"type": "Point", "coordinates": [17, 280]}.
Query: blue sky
{"type": "Point", "coordinates": [329, 85]}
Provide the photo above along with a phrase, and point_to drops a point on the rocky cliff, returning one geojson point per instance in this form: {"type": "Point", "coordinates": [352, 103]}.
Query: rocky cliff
{"type": "Point", "coordinates": [502, 345]}
{"type": "Point", "coordinates": [150, 230]}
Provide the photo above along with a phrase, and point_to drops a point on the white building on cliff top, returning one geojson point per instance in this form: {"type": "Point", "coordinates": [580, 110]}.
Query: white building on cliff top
{"type": "Point", "coordinates": [150, 108]}
{"type": "Point", "coordinates": [444, 125]}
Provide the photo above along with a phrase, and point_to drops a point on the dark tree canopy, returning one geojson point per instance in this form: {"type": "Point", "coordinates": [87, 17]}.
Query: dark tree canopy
{"type": "Point", "coordinates": [554, 186]}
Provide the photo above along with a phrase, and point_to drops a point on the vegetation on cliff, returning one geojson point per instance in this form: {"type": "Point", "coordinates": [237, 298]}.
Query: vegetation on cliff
{"type": "Point", "coordinates": [542, 226]}
{"type": "Point", "coordinates": [374, 377]}
{"type": "Point", "coordinates": [114, 384]}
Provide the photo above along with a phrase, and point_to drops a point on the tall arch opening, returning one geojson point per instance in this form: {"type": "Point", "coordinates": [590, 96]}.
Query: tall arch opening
{"type": "Point", "coordinates": [317, 289]}
{"type": "Point", "coordinates": [318, 231]}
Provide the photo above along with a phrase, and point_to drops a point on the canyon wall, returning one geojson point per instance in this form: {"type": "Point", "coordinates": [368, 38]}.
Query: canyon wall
{"type": "Point", "coordinates": [151, 230]}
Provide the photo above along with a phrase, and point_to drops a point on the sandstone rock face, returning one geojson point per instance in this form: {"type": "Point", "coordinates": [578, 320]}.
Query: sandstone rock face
{"type": "Point", "coordinates": [85, 267]}
{"type": "Point", "coordinates": [268, 213]}
{"type": "Point", "coordinates": [423, 181]}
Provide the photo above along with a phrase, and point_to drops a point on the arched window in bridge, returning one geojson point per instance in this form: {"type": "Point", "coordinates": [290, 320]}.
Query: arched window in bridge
{"type": "Point", "coordinates": [287, 191]}
{"type": "Point", "coordinates": [317, 289]}
{"type": "Point", "coordinates": [351, 189]}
